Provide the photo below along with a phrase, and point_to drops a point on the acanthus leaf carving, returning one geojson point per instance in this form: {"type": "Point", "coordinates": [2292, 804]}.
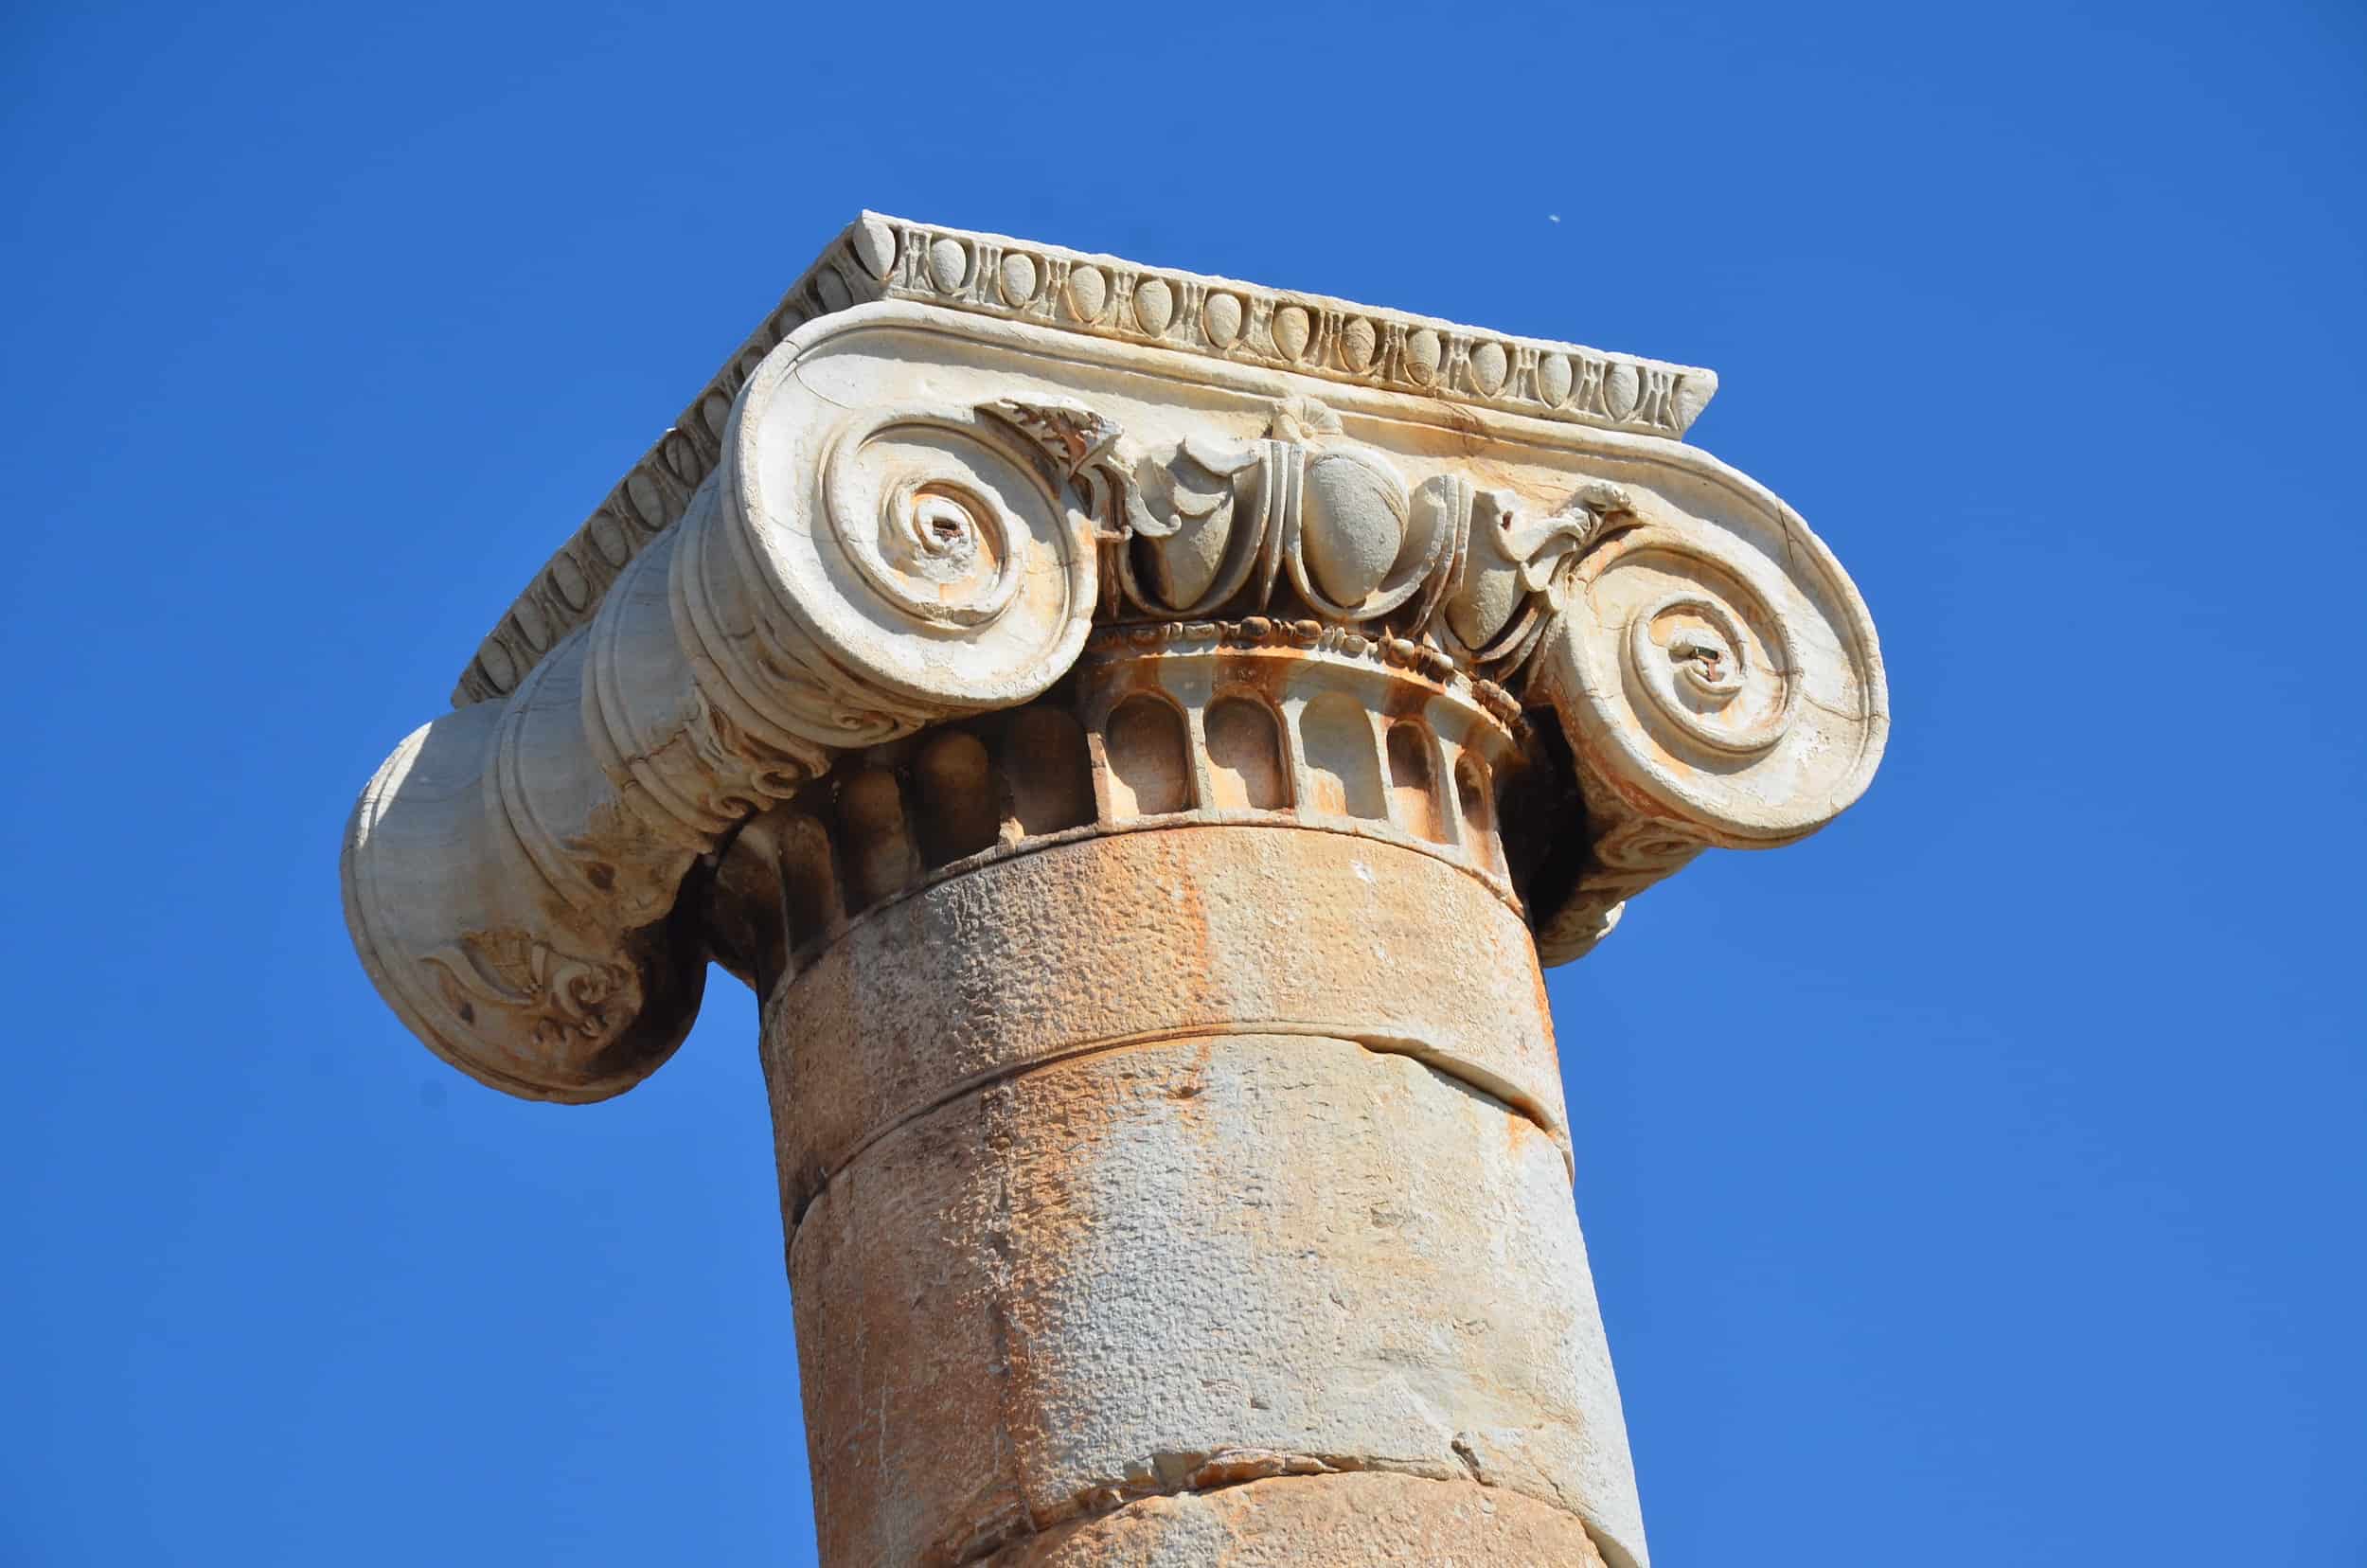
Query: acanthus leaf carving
{"type": "Point", "coordinates": [1074, 436]}
{"type": "Point", "coordinates": [563, 999]}
{"type": "Point", "coordinates": [1626, 852]}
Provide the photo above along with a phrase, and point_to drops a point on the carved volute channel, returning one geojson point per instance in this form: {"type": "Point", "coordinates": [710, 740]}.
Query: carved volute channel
{"type": "Point", "coordinates": [1264, 723]}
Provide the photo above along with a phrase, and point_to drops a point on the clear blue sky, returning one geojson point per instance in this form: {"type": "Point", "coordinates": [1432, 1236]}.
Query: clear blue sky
{"type": "Point", "coordinates": [1980, 1183]}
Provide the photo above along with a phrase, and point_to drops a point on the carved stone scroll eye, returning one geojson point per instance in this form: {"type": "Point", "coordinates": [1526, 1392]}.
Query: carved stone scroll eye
{"type": "Point", "coordinates": [1708, 684]}
{"type": "Point", "coordinates": [1721, 681]}
{"type": "Point", "coordinates": [939, 544]}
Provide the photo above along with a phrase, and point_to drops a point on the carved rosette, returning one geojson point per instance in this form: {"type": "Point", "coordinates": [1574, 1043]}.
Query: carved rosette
{"type": "Point", "coordinates": [915, 519]}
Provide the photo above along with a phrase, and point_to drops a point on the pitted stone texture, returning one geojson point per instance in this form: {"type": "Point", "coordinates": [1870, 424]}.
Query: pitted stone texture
{"type": "Point", "coordinates": [1131, 1271]}
{"type": "Point", "coordinates": [1354, 1520]}
{"type": "Point", "coordinates": [1136, 936]}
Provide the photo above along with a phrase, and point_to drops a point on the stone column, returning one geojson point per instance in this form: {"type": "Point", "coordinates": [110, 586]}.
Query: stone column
{"type": "Point", "coordinates": [1139, 734]}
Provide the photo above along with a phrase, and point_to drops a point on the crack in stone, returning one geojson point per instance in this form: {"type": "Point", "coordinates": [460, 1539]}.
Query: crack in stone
{"type": "Point", "coordinates": [1465, 1079]}
{"type": "Point", "coordinates": [1168, 1474]}
{"type": "Point", "coordinates": [1172, 1474]}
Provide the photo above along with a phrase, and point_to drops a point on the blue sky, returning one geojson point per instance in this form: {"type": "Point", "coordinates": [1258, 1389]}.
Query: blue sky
{"type": "Point", "coordinates": [1980, 1182]}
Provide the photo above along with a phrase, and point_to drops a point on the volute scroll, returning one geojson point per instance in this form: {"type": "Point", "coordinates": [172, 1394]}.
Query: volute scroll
{"type": "Point", "coordinates": [513, 875]}
{"type": "Point", "coordinates": [912, 548]}
{"type": "Point", "coordinates": [1715, 691]}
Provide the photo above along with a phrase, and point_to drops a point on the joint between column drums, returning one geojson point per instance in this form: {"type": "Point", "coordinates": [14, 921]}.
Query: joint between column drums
{"type": "Point", "coordinates": [1013, 1537]}
{"type": "Point", "coordinates": [1465, 1078]}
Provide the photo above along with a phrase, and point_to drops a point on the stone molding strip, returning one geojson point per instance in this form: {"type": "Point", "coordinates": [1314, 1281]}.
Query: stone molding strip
{"type": "Point", "coordinates": [947, 991]}
{"type": "Point", "coordinates": [1498, 885]}
{"type": "Point", "coordinates": [882, 257]}
{"type": "Point", "coordinates": [1260, 632]}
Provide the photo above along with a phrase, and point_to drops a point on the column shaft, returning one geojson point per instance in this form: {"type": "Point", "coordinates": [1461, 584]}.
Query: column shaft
{"type": "Point", "coordinates": [1117, 1231]}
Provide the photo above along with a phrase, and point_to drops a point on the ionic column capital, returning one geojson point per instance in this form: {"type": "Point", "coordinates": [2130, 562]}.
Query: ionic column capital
{"type": "Point", "coordinates": [950, 460]}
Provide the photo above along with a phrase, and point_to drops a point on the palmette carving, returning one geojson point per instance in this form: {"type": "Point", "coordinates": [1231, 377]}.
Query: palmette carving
{"type": "Point", "coordinates": [1499, 601]}
{"type": "Point", "coordinates": [561, 995]}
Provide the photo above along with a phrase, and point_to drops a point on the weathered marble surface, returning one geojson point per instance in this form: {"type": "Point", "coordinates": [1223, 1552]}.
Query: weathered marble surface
{"type": "Point", "coordinates": [1140, 733]}
{"type": "Point", "coordinates": [1148, 1268]}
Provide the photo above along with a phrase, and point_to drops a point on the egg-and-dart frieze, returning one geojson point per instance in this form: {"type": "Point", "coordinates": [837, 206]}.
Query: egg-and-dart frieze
{"type": "Point", "coordinates": [884, 258]}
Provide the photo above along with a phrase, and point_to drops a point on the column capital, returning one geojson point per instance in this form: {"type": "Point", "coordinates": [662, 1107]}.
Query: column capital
{"type": "Point", "coordinates": [953, 473]}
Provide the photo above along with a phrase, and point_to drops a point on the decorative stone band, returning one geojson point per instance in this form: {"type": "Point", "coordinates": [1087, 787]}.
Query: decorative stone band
{"type": "Point", "coordinates": [1159, 727]}
{"type": "Point", "coordinates": [888, 257]}
{"type": "Point", "coordinates": [879, 257]}
{"type": "Point", "coordinates": [915, 517]}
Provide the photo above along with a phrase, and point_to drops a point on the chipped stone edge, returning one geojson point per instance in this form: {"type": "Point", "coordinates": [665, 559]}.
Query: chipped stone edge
{"type": "Point", "coordinates": [882, 257]}
{"type": "Point", "coordinates": [1196, 1474]}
